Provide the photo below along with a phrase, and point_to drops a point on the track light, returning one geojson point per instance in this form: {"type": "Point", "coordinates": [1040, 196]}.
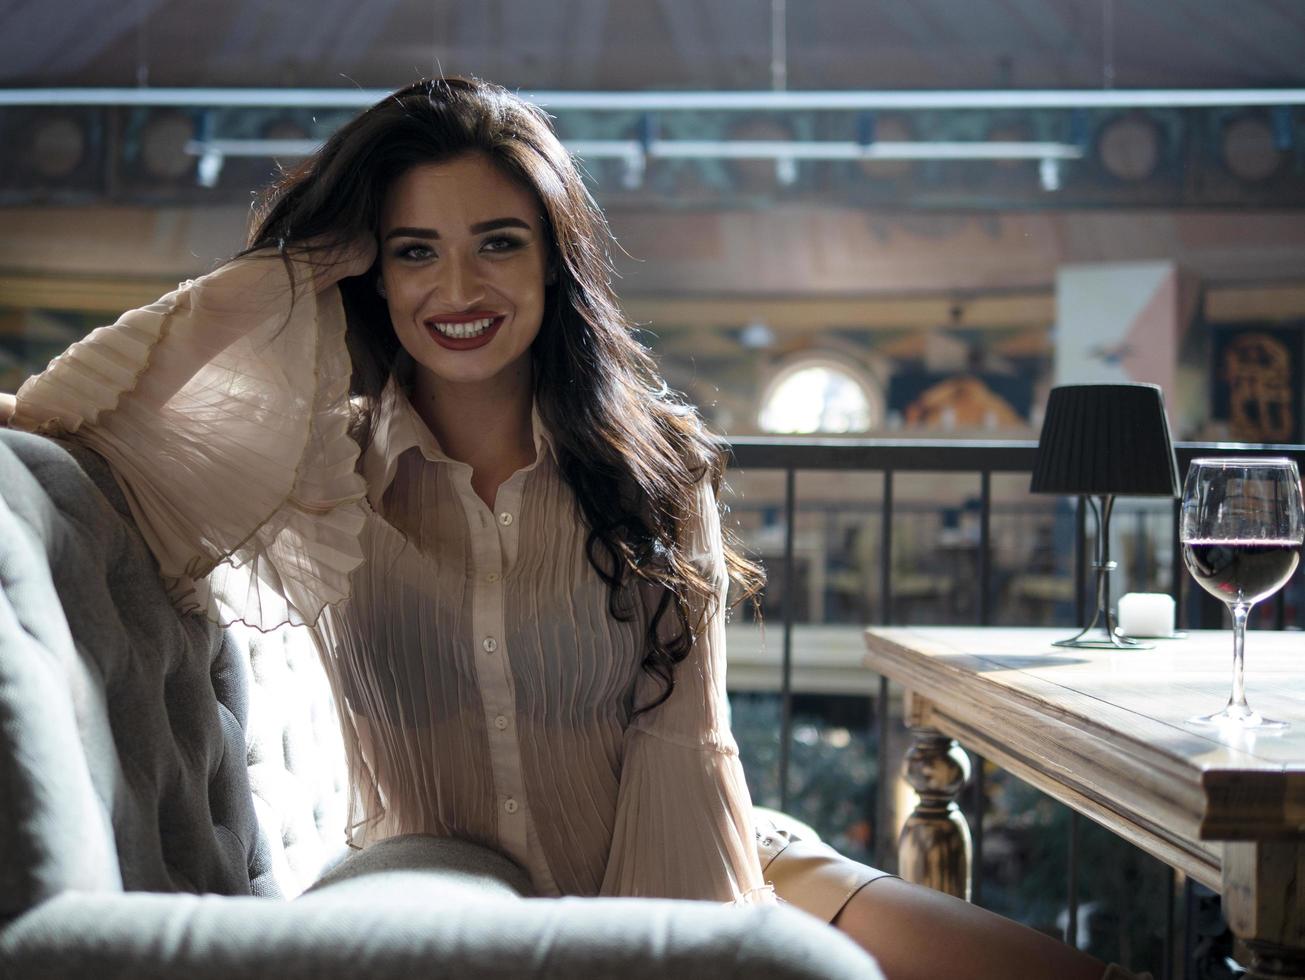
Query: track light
{"type": "Point", "coordinates": [1049, 174]}
{"type": "Point", "coordinates": [674, 101]}
{"type": "Point", "coordinates": [210, 168]}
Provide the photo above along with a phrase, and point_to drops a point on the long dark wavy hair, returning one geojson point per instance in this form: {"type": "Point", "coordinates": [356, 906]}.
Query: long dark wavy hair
{"type": "Point", "coordinates": [631, 450]}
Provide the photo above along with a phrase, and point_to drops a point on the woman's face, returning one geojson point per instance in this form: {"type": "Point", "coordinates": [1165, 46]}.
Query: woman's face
{"type": "Point", "coordinates": [464, 257]}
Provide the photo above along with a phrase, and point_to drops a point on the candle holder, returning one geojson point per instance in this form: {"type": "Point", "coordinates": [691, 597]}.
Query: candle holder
{"type": "Point", "coordinates": [1146, 615]}
{"type": "Point", "coordinates": [1099, 442]}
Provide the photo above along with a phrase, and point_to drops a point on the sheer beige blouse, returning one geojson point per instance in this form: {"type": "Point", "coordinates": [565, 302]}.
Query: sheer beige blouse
{"type": "Point", "coordinates": [483, 688]}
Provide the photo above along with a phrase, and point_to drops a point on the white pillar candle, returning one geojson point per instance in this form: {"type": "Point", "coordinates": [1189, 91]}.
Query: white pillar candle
{"type": "Point", "coordinates": [1146, 614]}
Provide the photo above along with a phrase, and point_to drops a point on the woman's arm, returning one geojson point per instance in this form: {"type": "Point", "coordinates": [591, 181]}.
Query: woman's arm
{"type": "Point", "coordinates": [684, 825]}
{"type": "Point", "coordinates": [223, 410]}
{"type": "Point", "coordinates": [234, 298]}
{"type": "Point", "coordinates": [184, 331]}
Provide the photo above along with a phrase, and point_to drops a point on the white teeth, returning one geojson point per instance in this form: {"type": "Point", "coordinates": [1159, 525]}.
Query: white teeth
{"type": "Point", "coordinates": [461, 331]}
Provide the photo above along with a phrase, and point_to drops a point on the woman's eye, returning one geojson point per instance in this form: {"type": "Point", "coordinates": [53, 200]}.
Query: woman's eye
{"type": "Point", "coordinates": [414, 253]}
{"type": "Point", "coordinates": [503, 243]}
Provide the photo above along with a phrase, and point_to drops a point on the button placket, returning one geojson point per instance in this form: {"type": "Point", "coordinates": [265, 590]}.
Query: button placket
{"type": "Point", "coordinates": [507, 515]}
{"type": "Point", "coordinates": [493, 671]}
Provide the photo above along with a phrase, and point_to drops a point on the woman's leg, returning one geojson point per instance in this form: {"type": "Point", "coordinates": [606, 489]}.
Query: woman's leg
{"type": "Point", "coordinates": [917, 933]}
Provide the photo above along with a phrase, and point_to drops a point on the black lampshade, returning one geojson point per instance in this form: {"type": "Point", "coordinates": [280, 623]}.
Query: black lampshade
{"type": "Point", "coordinates": [1106, 439]}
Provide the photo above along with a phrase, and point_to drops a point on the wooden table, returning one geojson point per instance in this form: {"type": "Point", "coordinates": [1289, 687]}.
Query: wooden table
{"type": "Point", "coordinates": [1105, 733]}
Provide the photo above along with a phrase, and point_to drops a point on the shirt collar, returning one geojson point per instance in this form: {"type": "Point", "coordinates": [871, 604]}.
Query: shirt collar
{"type": "Point", "coordinates": [399, 428]}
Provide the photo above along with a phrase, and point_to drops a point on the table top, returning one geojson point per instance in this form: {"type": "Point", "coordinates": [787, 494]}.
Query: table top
{"type": "Point", "coordinates": [1106, 730]}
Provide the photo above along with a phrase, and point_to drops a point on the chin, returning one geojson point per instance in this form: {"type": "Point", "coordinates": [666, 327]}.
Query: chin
{"type": "Point", "coordinates": [442, 372]}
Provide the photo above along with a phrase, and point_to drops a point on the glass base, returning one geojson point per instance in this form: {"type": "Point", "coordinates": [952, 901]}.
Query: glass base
{"type": "Point", "coordinates": [1235, 718]}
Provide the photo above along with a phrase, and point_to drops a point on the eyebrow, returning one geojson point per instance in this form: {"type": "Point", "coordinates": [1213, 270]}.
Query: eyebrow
{"type": "Point", "coordinates": [479, 228]}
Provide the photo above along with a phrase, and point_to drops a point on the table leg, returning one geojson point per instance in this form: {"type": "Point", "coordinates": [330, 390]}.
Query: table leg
{"type": "Point", "coordinates": [934, 846]}
{"type": "Point", "coordinates": [1264, 902]}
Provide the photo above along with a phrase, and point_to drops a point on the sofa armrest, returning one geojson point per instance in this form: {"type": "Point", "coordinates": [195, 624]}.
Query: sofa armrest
{"type": "Point", "coordinates": [152, 937]}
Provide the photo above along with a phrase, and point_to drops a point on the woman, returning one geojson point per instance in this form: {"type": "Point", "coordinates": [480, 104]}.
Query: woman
{"type": "Point", "coordinates": [412, 417]}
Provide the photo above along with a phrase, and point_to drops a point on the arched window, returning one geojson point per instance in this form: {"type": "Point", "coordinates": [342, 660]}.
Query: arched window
{"type": "Point", "coordinates": [818, 395]}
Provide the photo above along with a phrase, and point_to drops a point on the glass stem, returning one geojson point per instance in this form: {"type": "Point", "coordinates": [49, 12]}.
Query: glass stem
{"type": "Point", "coordinates": [1237, 702]}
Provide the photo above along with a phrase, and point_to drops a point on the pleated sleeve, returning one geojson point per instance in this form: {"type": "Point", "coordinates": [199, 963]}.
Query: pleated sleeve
{"type": "Point", "coordinates": [683, 824]}
{"type": "Point", "coordinates": [223, 410]}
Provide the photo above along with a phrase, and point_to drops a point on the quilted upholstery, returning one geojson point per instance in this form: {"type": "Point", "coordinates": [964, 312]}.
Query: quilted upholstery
{"type": "Point", "coordinates": [261, 698]}
{"type": "Point", "coordinates": [296, 758]}
{"type": "Point", "coordinates": [122, 725]}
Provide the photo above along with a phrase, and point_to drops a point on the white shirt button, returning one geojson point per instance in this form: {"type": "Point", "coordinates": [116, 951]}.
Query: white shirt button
{"type": "Point", "coordinates": [492, 577]}
{"type": "Point", "coordinates": [510, 805]}
{"type": "Point", "coordinates": [500, 722]}
{"type": "Point", "coordinates": [505, 519]}
{"type": "Point", "coordinates": [490, 644]}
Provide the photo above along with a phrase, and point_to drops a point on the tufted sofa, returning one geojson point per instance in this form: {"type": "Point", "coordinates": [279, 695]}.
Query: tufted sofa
{"type": "Point", "coordinates": [169, 791]}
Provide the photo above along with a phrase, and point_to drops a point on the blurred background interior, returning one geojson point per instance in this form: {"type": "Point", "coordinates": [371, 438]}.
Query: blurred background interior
{"type": "Point", "coordinates": [877, 219]}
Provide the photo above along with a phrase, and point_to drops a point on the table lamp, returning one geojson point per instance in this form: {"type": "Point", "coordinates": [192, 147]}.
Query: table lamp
{"type": "Point", "coordinates": [1100, 441]}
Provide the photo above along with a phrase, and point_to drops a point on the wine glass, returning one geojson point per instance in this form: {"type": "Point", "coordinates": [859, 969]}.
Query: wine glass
{"type": "Point", "coordinates": [1241, 533]}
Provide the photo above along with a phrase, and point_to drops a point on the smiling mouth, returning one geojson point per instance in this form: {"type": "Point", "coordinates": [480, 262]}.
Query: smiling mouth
{"type": "Point", "coordinates": [462, 329]}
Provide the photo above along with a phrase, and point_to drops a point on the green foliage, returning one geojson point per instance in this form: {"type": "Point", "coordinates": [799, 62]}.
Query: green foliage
{"type": "Point", "coordinates": [832, 767]}
{"type": "Point", "coordinates": [1026, 875]}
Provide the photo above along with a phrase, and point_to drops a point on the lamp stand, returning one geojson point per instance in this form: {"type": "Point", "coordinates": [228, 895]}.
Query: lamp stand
{"type": "Point", "coordinates": [1100, 633]}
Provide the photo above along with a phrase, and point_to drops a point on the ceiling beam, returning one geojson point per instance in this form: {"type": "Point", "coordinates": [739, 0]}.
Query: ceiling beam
{"type": "Point", "coordinates": [323, 98]}
{"type": "Point", "coordinates": [1002, 311]}
{"type": "Point", "coordinates": [110, 295]}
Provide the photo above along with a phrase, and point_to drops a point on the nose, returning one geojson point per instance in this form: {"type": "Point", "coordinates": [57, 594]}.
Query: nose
{"type": "Point", "coordinates": [458, 283]}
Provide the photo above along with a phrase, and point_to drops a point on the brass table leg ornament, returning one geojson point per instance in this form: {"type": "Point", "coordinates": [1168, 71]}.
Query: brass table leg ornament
{"type": "Point", "coordinates": [934, 846]}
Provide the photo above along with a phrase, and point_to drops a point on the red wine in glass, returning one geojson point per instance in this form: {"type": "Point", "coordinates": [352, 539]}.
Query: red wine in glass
{"type": "Point", "coordinates": [1241, 528]}
{"type": "Point", "coordinates": [1241, 571]}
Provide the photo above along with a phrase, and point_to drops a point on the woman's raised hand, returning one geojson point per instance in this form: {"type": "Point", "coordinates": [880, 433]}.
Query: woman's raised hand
{"type": "Point", "coordinates": [333, 261]}
{"type": "Point", "coordinates": [8, 403]}
{"type": "Point", "coordinates": [356, 258]}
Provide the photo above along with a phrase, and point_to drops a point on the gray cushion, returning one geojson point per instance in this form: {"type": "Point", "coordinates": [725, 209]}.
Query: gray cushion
{"type": "Point", "coordinates": [161, 937]}
{"type": "Point", "coordinates": [122, 742]}
{"type": "Point", "coordinates": [428, 869]}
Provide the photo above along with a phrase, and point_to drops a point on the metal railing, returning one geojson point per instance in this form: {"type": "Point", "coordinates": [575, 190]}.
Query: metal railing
{"type": "Point", "coordinates": [888, 458]}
